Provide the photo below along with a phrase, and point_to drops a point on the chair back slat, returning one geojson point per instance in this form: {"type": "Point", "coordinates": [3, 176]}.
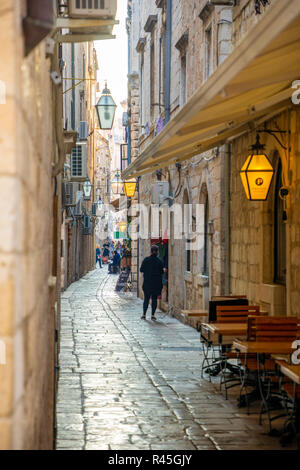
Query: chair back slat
{"type": "Point", "coordinates": [225, 297]}
{"type": "Point", "coordinates": [236, 313]}
{"type": "Point", "coordinates": [273, 329]}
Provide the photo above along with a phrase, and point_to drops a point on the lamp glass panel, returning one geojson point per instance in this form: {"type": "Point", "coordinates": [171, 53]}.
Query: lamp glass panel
{"type": "Point", "coordinates": [116, 185]}
{"type": "Point", "coordinates": [259, 163]}
{"type": "Point", "coordinates": [244, 167]}
{"type": "Point", "coordinates": [245, 183]}
{"type": "Point", "coordinates": [87, 189]}
{"type": "Point", "coordinates": [259, 184]}
{"type": "Point", "coordinates": [129, 188]}
{"type": "Point", "coordinates": [106, 109]}
{"type": "Point", "coordinates": [123, 226]}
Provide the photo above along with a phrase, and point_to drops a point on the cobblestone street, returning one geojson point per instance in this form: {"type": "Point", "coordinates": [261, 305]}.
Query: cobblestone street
{"type": "Point", "coordinates": [131, 384]}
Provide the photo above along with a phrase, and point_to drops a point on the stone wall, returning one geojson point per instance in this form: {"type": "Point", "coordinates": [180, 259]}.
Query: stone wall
{"type": "Point", "coordinates": [241, 237]}
{"type": "Point", "coordinates": [252, 225]}
{"type": "Point", "coordinates": [27, 210]}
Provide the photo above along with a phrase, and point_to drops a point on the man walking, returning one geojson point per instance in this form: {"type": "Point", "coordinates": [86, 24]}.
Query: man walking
{"type": "Point", "coordinates": [153, 269]}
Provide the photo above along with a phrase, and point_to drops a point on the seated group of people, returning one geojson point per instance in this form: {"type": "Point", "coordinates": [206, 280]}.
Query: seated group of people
{"type": "Point", "coordinates": [114, 266]}
{"type": "Point", "coordinates": [116, 262]}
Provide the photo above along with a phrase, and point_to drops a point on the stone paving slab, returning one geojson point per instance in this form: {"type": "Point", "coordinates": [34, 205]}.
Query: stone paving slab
{"type": "Point", "coordinates": [129, 384]}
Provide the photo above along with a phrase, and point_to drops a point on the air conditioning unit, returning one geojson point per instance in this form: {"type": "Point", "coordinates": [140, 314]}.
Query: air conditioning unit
{"type": "Point", "coordinates": [79, 162]}
{"type": "Point", "coordinates": [83, 130]}
{"type": "Point", "coordinates": [92, 8]}
{"type": "Point", "coordinates": [160, 192]}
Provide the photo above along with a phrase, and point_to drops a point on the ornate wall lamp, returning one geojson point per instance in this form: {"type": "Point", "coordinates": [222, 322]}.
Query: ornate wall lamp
{"type": "Point", "coordinates": [257, 172]}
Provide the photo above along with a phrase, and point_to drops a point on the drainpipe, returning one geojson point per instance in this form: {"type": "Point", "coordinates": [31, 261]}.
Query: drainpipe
{"type": "Point", "coordinates": [227, 218]}
{"type": "Point", "coordinates": [168, 61]}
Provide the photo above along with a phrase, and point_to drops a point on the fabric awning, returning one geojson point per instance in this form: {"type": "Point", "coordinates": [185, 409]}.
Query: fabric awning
{"type": "Point", "coordinates": [252, 83]}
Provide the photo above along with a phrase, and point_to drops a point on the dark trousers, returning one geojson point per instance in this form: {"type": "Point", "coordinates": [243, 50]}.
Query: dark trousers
{"type": "Point", "coordinates": [147, 297]}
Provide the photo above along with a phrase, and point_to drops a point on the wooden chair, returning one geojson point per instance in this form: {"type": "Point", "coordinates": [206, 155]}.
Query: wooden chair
{"type": "Point", "coordinates": [236, 313]}
{"type": "Point", "coordinates": [277, 329]}
{"type": "Point", "coordinates": [271, 329]}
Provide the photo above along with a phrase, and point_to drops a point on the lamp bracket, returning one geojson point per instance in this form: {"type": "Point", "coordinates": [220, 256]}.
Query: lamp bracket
{"type": "Point", "coordinates": [273, 134]}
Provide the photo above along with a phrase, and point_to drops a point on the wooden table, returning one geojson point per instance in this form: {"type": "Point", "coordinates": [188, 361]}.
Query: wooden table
{"type": "Point", "coordinates": [227, 329]}
{"type": "Point", "coordinates": [293, 373]}
{"type": "Point", "coordinates": [290, 371]}
{"type": "Point", "coordinates": [263, 347]}
{"type": "Point", "coordinates": [221, 335]}
{"type": "Point", "coordinates": [191, 313]}
{"type": "Point", "coordinates": [216, 331]}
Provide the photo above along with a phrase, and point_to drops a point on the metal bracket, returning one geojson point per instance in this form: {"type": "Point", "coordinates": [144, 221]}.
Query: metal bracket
{"type": "Point", "coordinates": [273, 134]}
{"type": "Point", "coordinates": [78, 83]}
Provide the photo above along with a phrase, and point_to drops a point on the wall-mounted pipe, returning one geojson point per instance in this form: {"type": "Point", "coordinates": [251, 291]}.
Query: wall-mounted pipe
{"type": "Point", "coordinates": [227, 218]}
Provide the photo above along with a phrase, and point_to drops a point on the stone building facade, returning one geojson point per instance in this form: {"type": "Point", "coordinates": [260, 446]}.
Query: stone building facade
{"type": "Point", "coordinates": [38, 130]}
{"type": "Point", "coordinates": [249, 247]}
{"type": "Point", "coordinates": [79, 67]}
{"type": "Point", "coordinates": [102, 179]}
{"type": "Point", "coordinates": [29, 263]}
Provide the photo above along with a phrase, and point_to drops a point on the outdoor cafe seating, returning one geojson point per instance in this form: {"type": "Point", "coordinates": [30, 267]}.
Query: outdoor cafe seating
{"type": "Point", "coordinates": [256, 349]}
{"type": "Point", "coordinates": [209, 341]}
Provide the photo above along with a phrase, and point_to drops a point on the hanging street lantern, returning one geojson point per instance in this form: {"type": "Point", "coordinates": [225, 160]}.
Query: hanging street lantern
{"type": "Point", "coordinates": [129, 188]}
{"type": "Point", "coordinates": [106, 108]}
{"type": "Point", "coordinates": [87, 190]}
{"type": "Point", "coordinates": [117, 184]}
{"type": "Point", "coordinates": [257, 174]}
{"type": "Point", "coordinates": [99, 200]}
{"type": "Point", "coordinates": [123, 226]}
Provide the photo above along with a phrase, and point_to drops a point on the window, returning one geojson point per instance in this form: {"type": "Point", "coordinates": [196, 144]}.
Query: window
{"type": "Point", "coordinates": [208, 53]}
{"type": "Point", "coordinates": [183, 81]}
{"type": "Point", "coordinates": [279, 232]}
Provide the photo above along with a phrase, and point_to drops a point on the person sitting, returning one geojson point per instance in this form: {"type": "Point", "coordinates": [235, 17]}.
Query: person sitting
{"type": "Point", "coordinates": [115, 265]}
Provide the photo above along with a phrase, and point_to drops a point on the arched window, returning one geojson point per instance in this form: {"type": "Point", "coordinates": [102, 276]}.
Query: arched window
{"type": "Point", "coordinates": [186, 223]}
{"type": "Point", "coordinates": [205, 270]}
{"type": "Point", "coordinates": [279, 232]}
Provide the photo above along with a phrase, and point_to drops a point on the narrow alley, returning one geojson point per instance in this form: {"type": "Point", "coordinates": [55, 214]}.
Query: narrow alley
{"type": "Point", "coordinates": [126, 383]}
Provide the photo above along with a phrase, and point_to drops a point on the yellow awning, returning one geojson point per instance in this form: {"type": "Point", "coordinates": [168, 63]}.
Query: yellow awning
{"type": "Point", "coordinates": [252, 83]}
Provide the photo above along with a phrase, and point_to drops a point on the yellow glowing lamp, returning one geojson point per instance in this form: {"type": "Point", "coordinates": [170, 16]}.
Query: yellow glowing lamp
{"type": "Point", "coordinates": [257, 174]}
{"type": "Point", "coordinates": [123, 226]}
{"type": "Point", "coordinates": [129, 188]}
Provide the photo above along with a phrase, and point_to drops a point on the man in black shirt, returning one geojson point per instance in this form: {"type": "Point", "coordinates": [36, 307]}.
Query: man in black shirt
{"type": "Point", "coordinates": [153, 270]}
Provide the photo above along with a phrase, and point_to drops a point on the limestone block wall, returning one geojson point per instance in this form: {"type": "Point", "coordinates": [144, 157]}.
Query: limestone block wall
{"type": "Point", "coordinates": [252, 226]}
{"type": "Point", "coordinates": [294, 226]}
{"type": "Point", "coordinates": [27, 290]}
{"type": "Point", "coordinates": [245, 18]}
